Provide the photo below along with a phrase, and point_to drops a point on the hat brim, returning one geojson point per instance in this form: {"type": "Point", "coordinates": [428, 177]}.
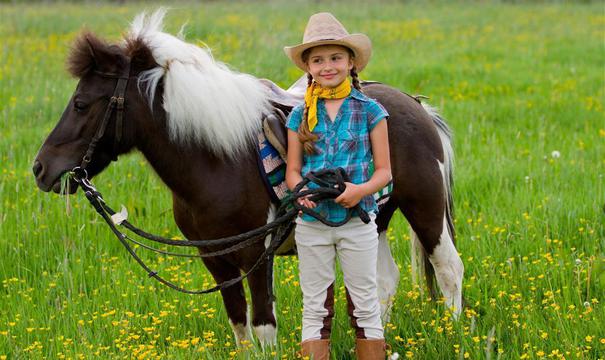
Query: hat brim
{"type": "Point", "coordinates": [359, 43]}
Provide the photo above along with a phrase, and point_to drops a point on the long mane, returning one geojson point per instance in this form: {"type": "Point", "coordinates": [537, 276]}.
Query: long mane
{"type": "Point", "coordinates": [205, 102]}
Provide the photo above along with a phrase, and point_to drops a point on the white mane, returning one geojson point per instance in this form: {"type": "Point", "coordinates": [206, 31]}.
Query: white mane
{"type": "Point", "coordinates": [205, 101]}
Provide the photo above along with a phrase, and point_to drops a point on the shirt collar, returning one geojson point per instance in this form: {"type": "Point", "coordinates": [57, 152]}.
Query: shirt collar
{"type": "Point", "coordinates": [358, 95]}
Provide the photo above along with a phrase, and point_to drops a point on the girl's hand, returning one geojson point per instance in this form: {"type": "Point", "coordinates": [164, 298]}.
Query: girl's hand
{"type": "Point", "coordinates": [351, 196]}
{"type": "Point", "coordinates": [304, 201]}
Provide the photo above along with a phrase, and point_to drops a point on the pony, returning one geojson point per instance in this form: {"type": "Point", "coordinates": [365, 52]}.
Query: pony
{"type": "Point", "coordinates": [196, 121]}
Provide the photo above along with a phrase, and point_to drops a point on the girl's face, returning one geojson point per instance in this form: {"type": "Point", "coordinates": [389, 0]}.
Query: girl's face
{"type": "Point", "coordinates": [329, 64]}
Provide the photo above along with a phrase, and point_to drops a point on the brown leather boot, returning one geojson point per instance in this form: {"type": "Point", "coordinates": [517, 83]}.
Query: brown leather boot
{"type": "Point", "coordinates": [316, 349]}
{"type": "Point", "coordinates": [370, 349]}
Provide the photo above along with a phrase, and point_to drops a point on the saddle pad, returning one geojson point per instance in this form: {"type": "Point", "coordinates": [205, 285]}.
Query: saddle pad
{"type": "Point", "coordinates": [383, 195]}
{"type": "Point", "coordinates": [273, 169]}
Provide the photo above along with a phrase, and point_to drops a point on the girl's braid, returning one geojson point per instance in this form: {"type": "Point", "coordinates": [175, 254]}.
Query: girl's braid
{"type": "Point", "coordinates": [355, 79]}
{"type": "Point", "coordinates": [306, 137]}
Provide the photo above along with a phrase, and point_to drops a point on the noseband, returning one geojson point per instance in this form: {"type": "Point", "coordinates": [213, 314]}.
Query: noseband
{"type": "Point", "coordinates": [117, 101]}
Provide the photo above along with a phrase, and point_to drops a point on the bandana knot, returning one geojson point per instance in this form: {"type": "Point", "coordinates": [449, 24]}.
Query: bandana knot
{"type": "Point", "coordinates": [315, 92]}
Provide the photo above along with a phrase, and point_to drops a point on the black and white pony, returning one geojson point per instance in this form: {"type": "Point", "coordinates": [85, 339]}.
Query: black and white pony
{"type": "Point", "coordinates": [196, 122]}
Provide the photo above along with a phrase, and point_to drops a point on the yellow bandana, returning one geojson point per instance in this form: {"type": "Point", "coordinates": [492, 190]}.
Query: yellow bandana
{"type": "Point", "coordinates": [315, 91]}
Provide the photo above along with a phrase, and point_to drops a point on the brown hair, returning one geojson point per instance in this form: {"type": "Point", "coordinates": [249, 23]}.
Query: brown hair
{"type": "Point", "coordinates": [305, 136]}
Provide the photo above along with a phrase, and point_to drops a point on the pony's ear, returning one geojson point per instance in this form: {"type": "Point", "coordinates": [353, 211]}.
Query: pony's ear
{"type": "Point", "coordinates": [91, 53]}
{"type": "Point", "coordinates": [81, 57]}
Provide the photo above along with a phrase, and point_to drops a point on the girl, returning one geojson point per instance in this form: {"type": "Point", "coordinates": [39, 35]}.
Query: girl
{"type": "Point", "coordinates": [338, 126]}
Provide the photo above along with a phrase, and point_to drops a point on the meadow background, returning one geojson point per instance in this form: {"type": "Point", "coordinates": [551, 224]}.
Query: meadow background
{"type": "Point", "coordinates": [521, 85]}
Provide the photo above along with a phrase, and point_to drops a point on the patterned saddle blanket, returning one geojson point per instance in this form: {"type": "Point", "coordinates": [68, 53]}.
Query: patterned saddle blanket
{"type": "Point", "coordinates": [273, 169]}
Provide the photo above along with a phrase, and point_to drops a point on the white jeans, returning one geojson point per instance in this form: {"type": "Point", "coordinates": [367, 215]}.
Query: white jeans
{"type": "Point", "coordinates": [356, 244]}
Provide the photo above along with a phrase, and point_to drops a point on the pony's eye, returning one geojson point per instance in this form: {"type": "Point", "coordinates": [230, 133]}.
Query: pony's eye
{"type": "Point", "coordinates": [79, 106]}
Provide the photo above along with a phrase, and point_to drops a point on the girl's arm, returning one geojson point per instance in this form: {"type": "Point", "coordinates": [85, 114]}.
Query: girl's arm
{"type": "Point", "coordinates": [294, 165]}
{"type": "Point", "coordinates": [379, 139]}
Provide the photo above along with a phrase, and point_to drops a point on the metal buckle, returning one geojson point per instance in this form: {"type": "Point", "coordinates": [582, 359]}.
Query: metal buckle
{"type": "Point", "coordinates": [120, 101]}
{"type": "Point", "coordinates": [79, 174]}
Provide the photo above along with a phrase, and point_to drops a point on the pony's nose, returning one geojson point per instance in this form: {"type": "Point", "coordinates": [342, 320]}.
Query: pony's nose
{"type": "Point", "coordinates": [37, 168]}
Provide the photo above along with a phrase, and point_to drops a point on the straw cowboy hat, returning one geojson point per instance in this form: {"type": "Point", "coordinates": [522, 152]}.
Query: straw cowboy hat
{"type": "Point", "coordinates": [325, 29]}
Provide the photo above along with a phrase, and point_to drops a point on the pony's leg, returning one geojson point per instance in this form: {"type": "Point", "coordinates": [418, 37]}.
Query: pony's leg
{"type": "Point", "coordinates": [417, 253]}
{"type": "Point", "coordinates": [429, 222]}
{"type": "Point", "coordinates": [263, 308]}
{"type": "Point", "coordinates": [449, 269]}
{"type": "Point", "coordinates": [234, 297]}
{"type": "Point", "coordinates": [387, 272]}
{"type": "Point", "coordinates": [264, 320]}
{"type": "Point", "coordinates": [424, 202]}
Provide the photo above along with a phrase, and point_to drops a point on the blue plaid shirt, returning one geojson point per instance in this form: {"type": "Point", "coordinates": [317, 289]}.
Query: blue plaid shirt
{"type": "Point", "coordinates": [343, 143]}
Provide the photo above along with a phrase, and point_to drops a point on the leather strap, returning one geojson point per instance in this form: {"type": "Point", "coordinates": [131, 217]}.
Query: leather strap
{"type": "Point", "coordinates": [117, 101]}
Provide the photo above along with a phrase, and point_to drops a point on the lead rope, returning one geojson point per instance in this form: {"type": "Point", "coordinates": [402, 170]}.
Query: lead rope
{"type": "Point", "coordinates": [331, 184]}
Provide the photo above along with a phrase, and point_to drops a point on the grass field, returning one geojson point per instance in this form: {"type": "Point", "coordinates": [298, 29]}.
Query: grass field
{"type": "Point", "coordinates": [522, 87]}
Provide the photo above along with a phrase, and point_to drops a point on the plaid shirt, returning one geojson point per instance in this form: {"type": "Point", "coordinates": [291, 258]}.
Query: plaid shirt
{"type": "Point", "coordinates": [343, 143]}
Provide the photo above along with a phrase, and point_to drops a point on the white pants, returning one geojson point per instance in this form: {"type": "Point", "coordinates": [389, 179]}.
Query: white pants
{"type": "Point", "coordinates": [356, 244]}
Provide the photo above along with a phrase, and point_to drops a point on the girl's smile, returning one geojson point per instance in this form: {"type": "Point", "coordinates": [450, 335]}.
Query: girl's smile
{"type": "Point", "coordinates": [329, 64]}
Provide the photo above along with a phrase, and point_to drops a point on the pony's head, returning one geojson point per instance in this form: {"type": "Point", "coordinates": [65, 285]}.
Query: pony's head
{"type": "Point", "coordinates": [97, 64]}
{"type": "Point", "coordinates": [201, 101]}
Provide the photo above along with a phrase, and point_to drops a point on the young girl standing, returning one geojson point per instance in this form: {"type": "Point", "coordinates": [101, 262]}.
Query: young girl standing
{"type": "Point", "coordinates": [338, 126]}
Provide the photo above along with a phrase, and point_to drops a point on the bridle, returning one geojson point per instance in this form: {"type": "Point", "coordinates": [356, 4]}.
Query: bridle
{"type": "Point", "coordinates": [116, 102]}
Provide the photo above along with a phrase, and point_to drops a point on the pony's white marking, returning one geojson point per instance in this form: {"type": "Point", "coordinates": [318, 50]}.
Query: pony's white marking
{"type": "Point", "coordinates": [417, 252]}
{"type": "Point", "coordinates": [266, 334]}
{"type": "Point", "coordinates": [270, 218]}
{"type": "Point", "coordinates": [387, 276]}
{"type": "Point", "coordinates": [449, 270]}
{"type": "Point", "coordinates": [205, 101]}
{"type": "Point", "coordinates": [241, 332]}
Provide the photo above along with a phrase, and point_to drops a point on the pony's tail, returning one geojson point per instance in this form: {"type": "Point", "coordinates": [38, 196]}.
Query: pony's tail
{"type": "Point", "coordinates": [445, 134]}
{"type": "Point", "coordinates": [420, 261]}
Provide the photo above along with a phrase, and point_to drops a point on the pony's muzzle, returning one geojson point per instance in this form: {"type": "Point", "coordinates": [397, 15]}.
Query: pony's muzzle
{"type": "Point", "coordinates": [37, 168]}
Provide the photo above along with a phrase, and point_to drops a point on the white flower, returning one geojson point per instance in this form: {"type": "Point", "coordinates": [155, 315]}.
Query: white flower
{"type": "Point", "coordinates": [586, 304]}
{"type": "Point", "coordinates": [555, 154]}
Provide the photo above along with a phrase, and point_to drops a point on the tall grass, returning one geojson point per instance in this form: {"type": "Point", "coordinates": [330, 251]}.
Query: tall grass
{"type": "Point", "coordinates": [522, 86]}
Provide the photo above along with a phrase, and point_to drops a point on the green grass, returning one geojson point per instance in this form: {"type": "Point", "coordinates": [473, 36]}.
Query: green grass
{"type": "Point", "coordinates": [516, 83]}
